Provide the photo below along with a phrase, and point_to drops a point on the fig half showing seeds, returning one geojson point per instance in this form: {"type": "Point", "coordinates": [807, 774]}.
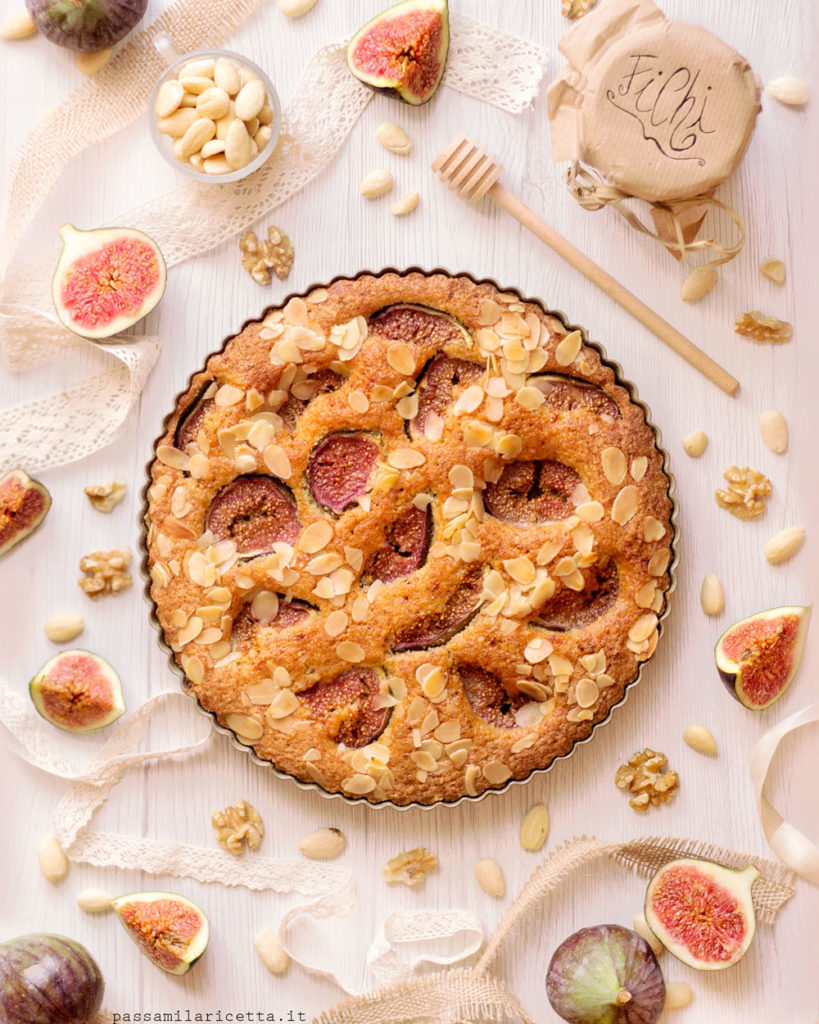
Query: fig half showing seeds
{"type": "Point", "coordinates": [575, 609]}
{"type": "Point", "coordinates": [437, 386]}
{"type": "Point", "coordinates": [77, 691]}
{"type": "Point", "coordinates": [605, 975]}
{"type": "Point", "coordinates": [265, 610]}
{"type": "Point", "coordinates": [339, 469]}
{"type": "Point", "coordinates": [488, 697]}
{"type": "Point", "coordinates": [257, 512]}
{"type": "Point", "coordinates": [436, 628]}
{"type": "Point", "coordinates": [106, 280]}
{"type": "Point", "coordinates": [702, 912]}
{"type": "Point", "coordinates": [532, 492]}
{"type": "Point", "coordinates": [404, 49]}
{"type": "Point", "coordinates": [348, 705]}
{"type": "Point", "coordinates": [758, 657]}
{"type": "Point", "coordinates": [569, 393]}
{"type": "Point", "coordinates": [24, 504]}
{"type": "Point", "coordinates": [406, 541]}
{"type": "Point", "coordinates": [169, 929]}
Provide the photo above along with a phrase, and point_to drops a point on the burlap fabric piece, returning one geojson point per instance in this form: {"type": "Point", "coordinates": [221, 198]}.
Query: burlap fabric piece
{"type": "Point", "coordinates": [484, 63]}
{"type": "Point", "coordinates": [476, 995]}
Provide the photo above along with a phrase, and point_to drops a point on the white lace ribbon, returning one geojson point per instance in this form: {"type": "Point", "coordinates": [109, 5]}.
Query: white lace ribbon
{"type": "Point", "coordinates": [483, 63]}
{"type": "Point", "coordinates": [444, 936]}
{"type": "Point", "coordinates": [794, 848]}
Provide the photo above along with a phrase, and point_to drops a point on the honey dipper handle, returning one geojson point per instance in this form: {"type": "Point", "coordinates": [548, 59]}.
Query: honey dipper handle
{"type": "Point", "coordinates": [638, 309]}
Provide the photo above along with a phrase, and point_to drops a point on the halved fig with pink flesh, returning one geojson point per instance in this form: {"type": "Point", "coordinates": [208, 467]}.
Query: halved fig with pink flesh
{"type": "Point", "coordinates": [24, 504]}
{"type": "Point", "coordinates": [267, 609]}
{"type": "Point", "coordinates": [437, 387]}
{"type": "Point", "coordinates": [575, 609]}
{"type": "Point", "coordinates": [569, 393]}
{"type": "Point", "coordinates": [418, 324]}
{"type": "Point", "coordinates": [172, 931]}
{"type": "Point", "coordinates": [321, 383]}
{"type": "Point", "coordinates": [702, 912]}
{"type": "Point", "coordinates": [488, 697]}
{"type": "Point", "coordinates": [436, 628]}
{"type": "Point", "coordinates": [532, 492]}
{"type": "Point", "coordinates": [106, 280]}
{"type": "Point", "coordinates": [256, 511]}
{"type": "Point", "coordinates": [192, 419]}
{"type": "Point", "coordinates": [348, 705]}
{"type": "Point", "coordinates": [406, 541]}
{"type": "Point", "coordinates": [77, 691]}
{"type": "Point", "coordinates": [403, 49]}
{"type": "Point", "coordinates": [339, 469]}
{"type": "Point", "coordinates": [758, 657]}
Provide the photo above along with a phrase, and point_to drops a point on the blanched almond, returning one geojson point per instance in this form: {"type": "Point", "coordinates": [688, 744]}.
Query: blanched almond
{"type": "Point", "coordinates": [712, 598]}
{"type": "Point", "coordinates": [774, 430]}
{"type": "Point", "coordinates": [296, 8]}
{"type": "Point", "coordinates": [640, 926]}
{"type": "Point", "coordinates": [18, 25]}
{"type": "Point", "coordinates": [92, 62]}
{"type": "Point", "coordinates": [237, 145]}
{"type": "Point", "coordinates": [490, 877]}
{"type": "Point", "coordinates": [61, 628]}
{"type": "Point", "coordinates": [700, 739]}
{"type": "Point", "coordinates": [785, 544]}
{"type": "Point", "coordinates": [534, 828]}
{"type": "Point", "coordinates": [52, 859]}
{"type": "Point", "coordinates": [698, 283]}
{"type": "Point", "coordinates": [677, 995]}
{"type": "Point", "coordinates": [394, 138]}
{"type": "Point", "coordinates": [323, 844]}
{"type": "Point", "coordinates": [406, 204]}
{"type": "Point", "coordinates": [271, 952]}
{"type": "Point", "coordinates": [250, 99]}
{"type": "Point", "coordinates": [94, 901]}
{"type": "Point", "coordinates": [694, 444]}
{"type": "Point", "coordinates": [377, 183]}
{"type": "Point", "coordinates": [793, 92]}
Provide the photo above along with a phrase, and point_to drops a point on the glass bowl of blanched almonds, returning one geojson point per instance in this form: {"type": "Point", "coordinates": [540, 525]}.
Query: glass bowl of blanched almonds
{"type": "Point", "coordinates": [214, 115]}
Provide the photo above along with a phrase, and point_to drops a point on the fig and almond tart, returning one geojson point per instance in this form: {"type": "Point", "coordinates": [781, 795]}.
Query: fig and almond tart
{"type": "Point", "coordinates": [408, 537]}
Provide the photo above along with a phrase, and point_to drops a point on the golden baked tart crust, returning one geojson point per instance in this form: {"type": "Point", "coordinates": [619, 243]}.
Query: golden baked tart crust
{"type": "Point", "coordinates": [408, 537]}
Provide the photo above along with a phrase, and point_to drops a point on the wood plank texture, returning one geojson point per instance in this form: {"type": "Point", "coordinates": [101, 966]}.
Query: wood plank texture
{"type": "Point", "coordinates": [336, 232]}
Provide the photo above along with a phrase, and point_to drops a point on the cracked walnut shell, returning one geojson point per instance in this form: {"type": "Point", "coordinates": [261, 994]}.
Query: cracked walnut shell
{"type": "Point", "coordinates": [237, 825]}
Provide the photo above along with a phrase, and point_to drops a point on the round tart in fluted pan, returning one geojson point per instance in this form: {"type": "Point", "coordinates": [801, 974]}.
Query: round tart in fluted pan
{"type": "Point", "coordinates": [408, 537]}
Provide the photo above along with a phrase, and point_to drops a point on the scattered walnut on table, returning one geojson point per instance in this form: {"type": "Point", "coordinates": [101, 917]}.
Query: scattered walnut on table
{"type": "Point", "coordinates": [236, 825]}
{"type": "Point", "coordinates": [745, 495]}
{"type": "Point", "coordinates": [576, 8]}
{"type": "Point", "coordinates": [105, 572]}
{"type": "Point", "coordinates": [646, 775]}
{"type": "Point", "coordinates": [273, 253]}
{"type": "Point", "coordinates": [763, 328]}
{"type": "Point", "coordinates": [105, 497]}
{"type": "Point", "coordinates": [410, 868]}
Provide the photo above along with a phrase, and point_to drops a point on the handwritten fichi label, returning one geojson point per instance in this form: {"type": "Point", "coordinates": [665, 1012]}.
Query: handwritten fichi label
{"type": "Point", "coordinates": [662, 110]}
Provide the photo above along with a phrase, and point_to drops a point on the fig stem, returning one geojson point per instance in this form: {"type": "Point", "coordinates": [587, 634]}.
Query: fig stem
{"type": "Point", "coordinates": [622, 997]}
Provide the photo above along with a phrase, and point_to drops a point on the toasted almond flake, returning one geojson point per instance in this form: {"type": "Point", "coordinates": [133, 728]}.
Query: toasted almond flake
{"type": "Point", "coordinates": [625, 504]}
{"type": "Point", "coordinates": [643, 628]}
{"type": "Point", "coordinates": [323, 564]}
{"type": "Point", "coordinates": [471, 775]}
{"type": "Point", "coordinates": [653, 529]}
{"type": "Point", "coordinates": [644, 598]}
{"type": "Point", "coordinates": [529, 397]}
{"type": "Point", "coordinates": [347, 650]}
{"type": "Point", "coordinates": [194, 670]}
{"type": "Point", "coordinates": [520, 569]}
{"type": "Point", "coordinates": [590, 511]}
{"type": "Point", "coordinates": [638, 468]}
{"type": "Point", "coordinates": [190, 631]}
{"type": "Point", "coordinates": [407, 407]}
{"type": "Point", "coordinates": [358, 402]}
{"type": "Point", "coordinates": [583, 539]}
{"type": "Point", "coordinates": [496, 773]}
{"type": "Point", "coordinates": [335, 623]}
{"type": "Point", "coordinates": [359, 610]}
{"type": "Point", "coordinates": [246, 727]}
{"type": "Point", "coordinates": [614, 465]}
{"type": "Point", "coordinates": [565, 567]}
{"type": "Point", "coordinates": [489, 313]}
{"type": "Point", "coordinates": [359, 785]}
{"type": "Point", "coordinates": [265, 605]}
{"type": "Point", "coordinates": [537, 650]}
{"type": "Point", "coordinates": [448, 732]}
{"type": "Point", "coordinates": [586, 693]}
{"type": "Point", "coordinates": [381, 393]}
{"type": "Point", "coordinates": [277, 461]}
{"type": "Point", "coordinates": [406, 458]}
{"type": "Point", "coordinates": [400, 358]}
{"type": "Point", "coordinates": [569, 348]}
{"type": "Point", "coordinates": [560, 665]}
{"type": "Point", "coordinates": [658, 563]}
{"type": "Point", "coordinates": [209, 636]}
{"type": "Point", "coordinates": [228, 395]}
{"type": "Point", "coordinates": [434, 685]}
{"type": "Point", "coordinates": [509, 446]}
{"type": "Point", "coordinates": [263, 692]}
{"type": "Point", "coordinates": [172, 457]}
{"type": "Point", "coordinates": [283, 704]}
{"type": "Point", "coordinates": [469, 400]}
{"type": "Point", "coordinates": [315, 537]}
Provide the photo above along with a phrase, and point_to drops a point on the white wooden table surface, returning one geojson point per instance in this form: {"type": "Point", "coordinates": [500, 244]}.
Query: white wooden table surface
{"type": "Point", "coordinates": [334, 232]}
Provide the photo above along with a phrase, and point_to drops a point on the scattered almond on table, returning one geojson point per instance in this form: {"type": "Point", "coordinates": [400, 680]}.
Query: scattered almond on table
{"type": "Point", "coordinates": [17, 25]}
{"type": "Point", "coordinates": [61, 628]}
{"type": "Point", "coordinates": [271, 952]}
{"type": "Point", "coordinates": [489, 875]}
{"type": "Point", "coordinates": [677, 995]}
{"type": "Point", "coordinates": [296, 8]}
{"type": "Point", "coordinates": [92, 62]}
{"type": "Point", "coordinates": [534, 828]}
{"type": "Point", "coordinates": [698, 283]}
{"type": "Point", "coordinates": [774, 430]}
{"type": "Point", "coordinates": [376, 184]}
{"type": "Point", "coordinates": [640, 926]}
{"type": "Point", "coordinates": [787, 89]}
{"type": "Point", "coordinates": [94, 901]}
{"type": "Point", "coordinates": [695, 443]}
{"type": "Point", "coordinates": [393, 138]}
{"type": "Point", "coordinates": [52, 859]}
{"type": "Point", "coordinates": [785, 544]}
{"type": "Point", "coordinates": [406, 204]}
{"type": "Point", "coordinates": [323, 844]}
{"type": "Point", "coordinates": [700, 739]}
{"type": "Point", "coordinates": [712, 598]}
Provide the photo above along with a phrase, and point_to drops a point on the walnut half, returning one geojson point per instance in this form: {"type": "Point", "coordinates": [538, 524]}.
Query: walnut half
{"type": "Point", "coordinates": [236, 825]}
{"type": "Point", "coordinates": [646, 775]}
{"type": "Point", "coordinates": [273, 253]}
{"type": "Point", "coordinates": [105, 572]}
{"type": "Point", "coordinates": [745, 495]}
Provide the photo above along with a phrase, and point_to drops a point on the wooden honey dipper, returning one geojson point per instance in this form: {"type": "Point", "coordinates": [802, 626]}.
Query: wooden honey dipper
{"type": "Point", "coordinates": [466, 167]}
